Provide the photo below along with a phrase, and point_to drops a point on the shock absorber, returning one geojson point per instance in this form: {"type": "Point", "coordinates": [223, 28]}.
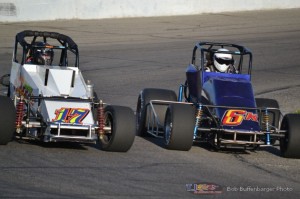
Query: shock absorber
{"type": "Point", "coordinates": [100, 112]}
{"type": "Point", "coordinates": [199, 113]}
{"type": "Point", "coordinates": [19, 114]}
{"type": "Point", "coordinates": [180, 93]}
{"type": "Point", "coordinates": [265, 125]}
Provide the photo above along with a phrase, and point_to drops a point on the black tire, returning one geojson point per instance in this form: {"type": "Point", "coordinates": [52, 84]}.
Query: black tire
{"type": "Point", "coordinates": [290, 144]}
{"type": "Point", "coordinates": [121, 120]}
{"type": "Point", "coordinates": [144, 98]}
{"type": "Point", "coordinates": [7, 120]}
{"type": "Point", "coordinates": [179, 127]}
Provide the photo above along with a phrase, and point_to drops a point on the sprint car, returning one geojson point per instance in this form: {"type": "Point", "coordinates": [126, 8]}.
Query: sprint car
{"type": "Point", "coordinates": [53, 103]}
{"type": "Point", "coordinates": [217, 108]}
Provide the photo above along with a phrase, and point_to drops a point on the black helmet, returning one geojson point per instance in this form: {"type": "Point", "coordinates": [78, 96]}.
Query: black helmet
{"type": "Point", "coordinates": [42, 54]}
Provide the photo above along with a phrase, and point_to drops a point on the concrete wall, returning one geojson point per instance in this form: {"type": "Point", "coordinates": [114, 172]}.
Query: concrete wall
{"type": "Point", "coordinates": [36, 10]}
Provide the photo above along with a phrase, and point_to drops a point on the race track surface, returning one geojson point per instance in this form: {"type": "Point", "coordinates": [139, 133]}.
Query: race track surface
{"type": "Point", "coordinates": [123, 56]}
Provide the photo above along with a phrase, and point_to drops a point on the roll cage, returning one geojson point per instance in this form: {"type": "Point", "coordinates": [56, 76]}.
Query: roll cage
{"type": "Point", "coordinates": [27, 38]}
{"type": "Point", "coordinates": [208, 49]}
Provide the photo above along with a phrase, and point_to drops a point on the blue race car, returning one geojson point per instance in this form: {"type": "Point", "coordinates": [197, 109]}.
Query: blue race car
{"type": "Point", "coordinates": [216, 105]}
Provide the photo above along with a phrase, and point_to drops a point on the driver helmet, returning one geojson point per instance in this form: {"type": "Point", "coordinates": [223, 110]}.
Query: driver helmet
{"type": "Point", "coordinates": [43, 55]}
{"type": "Point", "coordinates": [222, 61]}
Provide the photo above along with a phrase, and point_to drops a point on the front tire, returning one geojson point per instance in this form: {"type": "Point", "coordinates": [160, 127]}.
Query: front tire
{"type": "Point", "coordinates": [7, 120]}
{"type": "Point", "coordinates": [290, 144]}
{"type": "Point", "coordinates": [179, 127]}
{"type": "Point", "coordinates": [122, 123]}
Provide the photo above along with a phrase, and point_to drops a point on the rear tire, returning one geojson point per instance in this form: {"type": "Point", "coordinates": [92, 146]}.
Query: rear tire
{"type": "Point", "coordinates": [7, 120]}
{"type": "Point", "coordinates": [144, 98]}
{"type": "Point", "coordinates": [122, 123]}
{"type": "Point", "coordinates": [179, 127]}
{"type": "Point", "coordinates": [290, 144]}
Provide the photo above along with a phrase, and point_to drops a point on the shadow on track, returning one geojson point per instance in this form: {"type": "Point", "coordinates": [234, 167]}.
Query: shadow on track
{"type": "Point", "coordinates": [50, 145]}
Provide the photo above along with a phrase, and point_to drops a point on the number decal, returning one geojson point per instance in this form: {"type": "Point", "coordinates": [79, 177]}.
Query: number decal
{"type": "Point", "coordinates": [251, 116]}
{"type": "Point", "coordinates": [70, 115]}
{"type": "Point", "coordinates": [235, 117]}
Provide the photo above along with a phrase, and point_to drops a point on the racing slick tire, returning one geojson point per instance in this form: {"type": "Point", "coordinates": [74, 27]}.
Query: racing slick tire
{"type": "Point", "coordinates": [7, 120]}
{"type": "Point", "coordinates": [179, 127]}
{"type": "Point", "coordinates": [290, 143]}
{"type": "Point", "coordinates": [142, 113]}
{"type": "Point", "coordinates": [122, 123]}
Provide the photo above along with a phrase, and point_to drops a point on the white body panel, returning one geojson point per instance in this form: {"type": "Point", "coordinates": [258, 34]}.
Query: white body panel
{"type": "Point", "coordinates": [56, 82]}
{"type": "Point", "coordinates": [50, 111]}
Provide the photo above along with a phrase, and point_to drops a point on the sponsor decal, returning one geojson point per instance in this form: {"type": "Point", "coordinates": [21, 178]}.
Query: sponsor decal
{"type": "Point", "coordinates": [204, 188]}
{"type": "Point", "coordinates": [235, 117]}
{"type": "Point", "coordinates": [25, 90]}
{"type": "Point", "coordinates": [70, 115]}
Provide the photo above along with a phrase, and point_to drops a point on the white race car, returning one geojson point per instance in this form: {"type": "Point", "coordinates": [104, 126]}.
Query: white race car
{"type": "Point", "coordinates": [49, 100]}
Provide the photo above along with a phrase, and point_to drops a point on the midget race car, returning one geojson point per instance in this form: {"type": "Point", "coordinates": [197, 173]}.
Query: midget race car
{"type": "Point", "coordinates": [217, 108]}
{"type": "Point", "coordinates": [53, 103]}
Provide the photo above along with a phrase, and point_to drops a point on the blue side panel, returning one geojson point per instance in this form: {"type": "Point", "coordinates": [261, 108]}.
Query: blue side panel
{"type": "Point", "coordinates": [194, 83]}
{"type": "Point", "coordinates": [234, 90]}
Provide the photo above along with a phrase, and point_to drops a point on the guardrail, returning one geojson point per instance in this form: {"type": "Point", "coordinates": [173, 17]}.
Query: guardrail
{"type": "Point", "coordinates": [37, 10]}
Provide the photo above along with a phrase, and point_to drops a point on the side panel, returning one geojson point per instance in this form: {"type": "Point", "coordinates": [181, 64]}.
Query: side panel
{"type": "Point", "coordinates": [194, 83]}
{"type": "Point", "coordinates": [15, 80]}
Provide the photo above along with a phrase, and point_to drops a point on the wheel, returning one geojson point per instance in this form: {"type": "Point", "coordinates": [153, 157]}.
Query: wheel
{"type": "Point", "coordinates": [290, 144]}
{"type": "Point", "coordinates": [7, 120]}
{"type": "Point", "coordinates": [144, 98]}
{"type": "Point", "coordinates": [179, 127]}
{"type": "Point", "coordinates": [122, 123]}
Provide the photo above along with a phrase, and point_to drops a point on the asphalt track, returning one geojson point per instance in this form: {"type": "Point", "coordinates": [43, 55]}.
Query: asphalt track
{"type": "Point", "coordinates": [123, 56]}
